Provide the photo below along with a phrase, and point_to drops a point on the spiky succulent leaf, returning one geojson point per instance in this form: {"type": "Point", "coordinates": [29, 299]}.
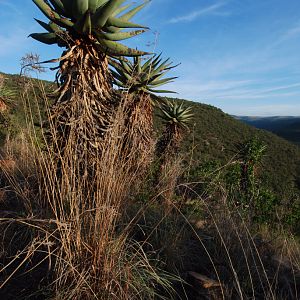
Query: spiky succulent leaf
{"type": "Point", "coordinates": [127, 16]}
{"type": "Point", "coordinates": [44, 25]}
{"type": "Point", "coordinates": [52, 15]}
{"type": "Point", "coordinates": [93, 5]}
{"type": "Point", "coordinates": [79, 8]}
{"type": "Point", "coordinates": [104, 12]}
{"type": "Point", "coordinates": [117, 22]}
{"type": "Point", "coordinates": [58, 6]}
{"type": "Point", "coordinates": [172, 112]}
{"type": "Point", "coordinates": [143, 77]}
{"type": "Point", "coordinates": [157, 83]}
{"type": "Point", "coordinates": [155, 91]}
{"type": "Point", "coordinates": [50, 27]}
{"type": "Point", "coordinates": [98, 20]}
{"type": "Point", "coordinates": [84, 25]}
{"type": "Point", "coordinates": [48, 38]}
{"type": "Point", "coordinates": [120, 9]}
{"type": "Point", "coordinates": [116, 49]}
{"type": "Point", "coordinates": [119, 36]}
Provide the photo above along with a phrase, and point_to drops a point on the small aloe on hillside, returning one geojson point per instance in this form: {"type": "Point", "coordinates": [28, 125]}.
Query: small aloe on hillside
{"type": "Point", "coordinates": [176, 118]}
{"type": "Point", "coordinates": [251, 154]}
{"type": "Point", "coordinates": [139, 81]}
{"type": "Point", "coordinates": [143, 78]}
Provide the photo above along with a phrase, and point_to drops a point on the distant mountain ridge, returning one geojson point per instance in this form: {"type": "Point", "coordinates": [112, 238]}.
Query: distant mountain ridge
{"type": "Point", "coordinates": [287, 127]}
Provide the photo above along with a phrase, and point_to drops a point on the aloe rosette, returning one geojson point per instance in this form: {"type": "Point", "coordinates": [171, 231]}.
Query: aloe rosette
{"type": "Point", "coordinates": [100, 22]}
{"type": "Point", "coordinates": [176, 118]}
{"type": "Point", "coordinates": [91, 31]}
{"type": "Point", "coordinates": [140, 81]}
{"type": "Point", "coordinates": [143, 77]}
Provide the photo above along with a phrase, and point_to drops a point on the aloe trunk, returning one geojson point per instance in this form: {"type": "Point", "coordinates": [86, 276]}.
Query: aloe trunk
{"type": "Point", "coordinates": [84, 103]}
{"type": "Point", "coordinates": [138, 138]}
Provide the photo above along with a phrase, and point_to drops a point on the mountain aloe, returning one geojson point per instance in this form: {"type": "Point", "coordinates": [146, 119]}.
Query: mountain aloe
{"type": "Point", "coordinates": [90, 30]}
{"type": "Point", "coordinates": [176, 119]}
{"type": "Point", "coordinates": [139, 77]}
{"type": "Point", "coordinates": [6, 93]}
{"type": "Point", "coordinates": [138, 80]}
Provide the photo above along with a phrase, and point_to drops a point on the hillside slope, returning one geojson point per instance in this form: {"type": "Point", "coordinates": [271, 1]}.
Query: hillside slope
{"type": "Point", "coordinates": [22, 91]}
{"type": "Point", "coordinates": [215, 136]}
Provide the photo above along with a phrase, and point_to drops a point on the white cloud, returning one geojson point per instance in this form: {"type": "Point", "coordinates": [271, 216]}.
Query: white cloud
{"type": "Point", "coordinates": [208, 87]}
{"type": "Point", "coordinates": [210, 10]}
{"type": "Point", "coordinates": [242, 96]}
{"type": "Point", "coordinates": [222, 93]}
{"type": "Point", "coordinates": [280, 88]}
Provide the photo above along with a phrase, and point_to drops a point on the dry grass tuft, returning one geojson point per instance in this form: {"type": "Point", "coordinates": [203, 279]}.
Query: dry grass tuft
{"type": "Point", "coordinates": [72, 217]}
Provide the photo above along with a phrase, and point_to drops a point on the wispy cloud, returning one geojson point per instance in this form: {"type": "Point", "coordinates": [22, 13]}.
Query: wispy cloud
{"type": "Point", "coordinates": [10, 6]}
{"type": "Point", "coordinates": [210, 10]}
{"type": "Point", "coordinates": [292, 32]}
{"type": "Point", "coordinates": [248, 96]}
{"type": "Point", "coordinates": [236, 90]}
{"type": "Point", "coordinates": [208, 87]}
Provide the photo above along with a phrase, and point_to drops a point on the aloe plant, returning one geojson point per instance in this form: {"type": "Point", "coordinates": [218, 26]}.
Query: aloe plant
{"type": "Point", "coordinates": [176, 119]}
{"type": "Point", "coordinates": [90, 31]}
{"type": "Point", "coordinates": [6, 93]}
{"type": "Point", "coordinates": [139, 81]}
{"type": "Point", "coordinates": [142, 77]}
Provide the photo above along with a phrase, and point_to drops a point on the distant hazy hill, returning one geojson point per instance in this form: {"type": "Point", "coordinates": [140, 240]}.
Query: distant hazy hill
{"type": "Point", "coordinates": [215, 136]}
{"type": "Point", "coordinates": [286, 127]}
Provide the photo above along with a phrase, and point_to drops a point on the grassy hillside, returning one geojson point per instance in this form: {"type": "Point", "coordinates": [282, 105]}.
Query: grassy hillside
{"type": "Point", "coordinates": [13, 117]}
{"type": "Point", "coordinates": [126, 234]}
{"type": "Point", "coordinates": [214, 136]}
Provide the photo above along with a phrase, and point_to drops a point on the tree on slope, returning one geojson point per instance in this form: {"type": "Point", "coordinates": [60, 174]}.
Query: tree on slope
{"type": "Point", "coordinates": [176, 119]}
{"type": "Point", "coordinates": [139, 82]}
{"type": "Point", "coordinates": [90, 31]}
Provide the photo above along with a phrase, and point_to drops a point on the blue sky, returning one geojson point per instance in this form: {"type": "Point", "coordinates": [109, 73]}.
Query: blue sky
{"type": "Point", "coordinates": [242, 56]}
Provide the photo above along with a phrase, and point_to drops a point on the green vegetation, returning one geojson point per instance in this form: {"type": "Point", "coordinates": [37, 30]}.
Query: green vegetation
{"type": "Point", "coordinates": [94, 23]}
{"type": "Point", "coordinates": [137, 82]}
{"type": "Point", "coordinates": [170, 242]}
{"type": "Point", "coordinates": [100, 200]}
{"type": "Point", "coordinates": [138, 77]}
{"type": "Point", "coordinates": [217, 137]}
